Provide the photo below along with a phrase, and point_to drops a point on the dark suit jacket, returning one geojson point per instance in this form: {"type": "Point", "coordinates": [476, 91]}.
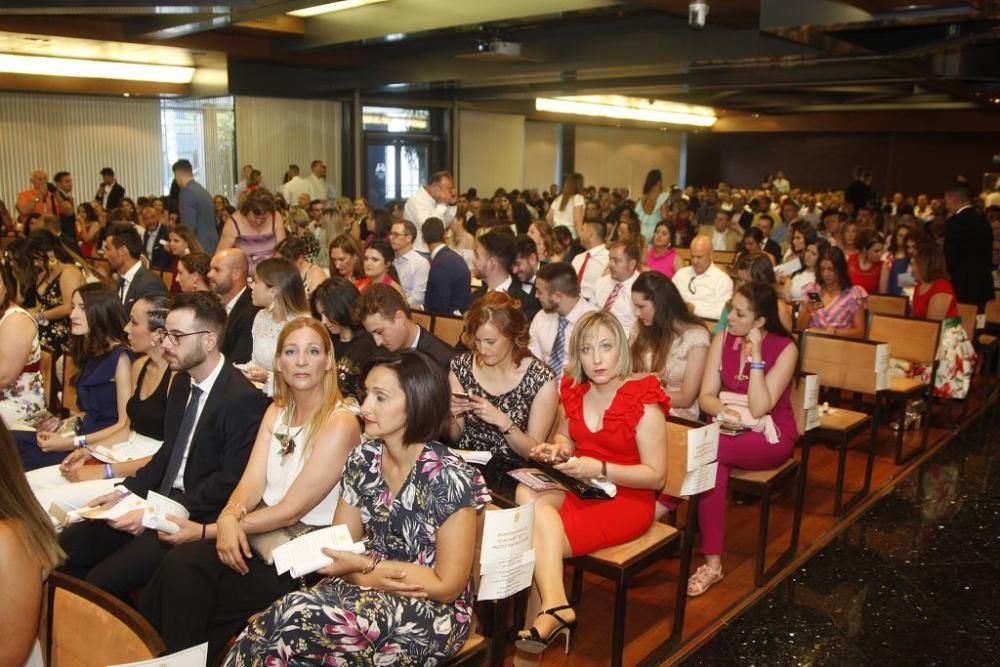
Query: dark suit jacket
{"type": "Point", "coordinates": [143, 284]}
{"type": "Point", "coordinates": [773, 249]}
{"type": "Point", "coordinates": [220, 446]}
{"type": "Point", "coordinates": [529, 304]}
{"type": "Point", "coordinates": [160, 258]}
{"type": "Point", "coordinates": [435, 348]}
{"type": "Point", "coordinates": [968, 249]}
{"type": "Point", "coordinates": [448, 283]}
{"type": "Point", "coordinates": [238, 343]}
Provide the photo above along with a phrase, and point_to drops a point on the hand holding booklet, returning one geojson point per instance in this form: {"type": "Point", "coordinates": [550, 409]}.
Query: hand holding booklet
{"type": "Point", "coordinates": [304, 555]}
{"type": "Point", "coordinates": [157, 509]}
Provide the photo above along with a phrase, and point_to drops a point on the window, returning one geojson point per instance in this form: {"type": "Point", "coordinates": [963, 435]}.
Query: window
{"type": "Point", "coordinates": [203, 132]}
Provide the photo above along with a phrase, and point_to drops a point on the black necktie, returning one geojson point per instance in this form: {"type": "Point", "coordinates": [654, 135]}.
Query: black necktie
{"type": "Point", "coordinates": [121, 290]}
{"type": "Point", "coordinates": [181, 442]}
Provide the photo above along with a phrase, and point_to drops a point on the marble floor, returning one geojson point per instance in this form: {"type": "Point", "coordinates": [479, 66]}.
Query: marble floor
{"type": "Point", "coordinates": [915, 581]}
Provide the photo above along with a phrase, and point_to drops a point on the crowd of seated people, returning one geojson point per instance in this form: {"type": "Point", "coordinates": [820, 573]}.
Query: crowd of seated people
{"type": "Point", "coordinates": [588, 320]}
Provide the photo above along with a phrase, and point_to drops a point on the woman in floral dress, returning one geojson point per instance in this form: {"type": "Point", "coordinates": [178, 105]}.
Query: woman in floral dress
{"type": "Point", "coordinates": [408, 599]}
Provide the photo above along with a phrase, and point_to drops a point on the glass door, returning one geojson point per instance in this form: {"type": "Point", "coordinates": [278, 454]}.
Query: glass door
{"type": "Point", "coordinates": [394, 169]}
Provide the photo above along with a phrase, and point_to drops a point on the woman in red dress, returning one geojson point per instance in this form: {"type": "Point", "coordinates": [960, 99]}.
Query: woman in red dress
{"type": "Point", "coordinates": [612, 426]}
{"type": "Point", "coordinates": [866, 266]}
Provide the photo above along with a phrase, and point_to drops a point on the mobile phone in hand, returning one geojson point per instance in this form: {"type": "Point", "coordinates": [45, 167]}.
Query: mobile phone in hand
{"type": "Point", "coordinates": [815, 298]}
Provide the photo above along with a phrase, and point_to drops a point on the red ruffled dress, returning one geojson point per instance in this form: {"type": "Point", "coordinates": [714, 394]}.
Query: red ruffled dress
{"type": "Point", "coordinates": [594, 524]}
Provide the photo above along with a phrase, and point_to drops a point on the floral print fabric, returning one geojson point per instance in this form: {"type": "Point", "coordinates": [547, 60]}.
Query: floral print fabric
{"type": "Point", "coordinates": [339, 623]}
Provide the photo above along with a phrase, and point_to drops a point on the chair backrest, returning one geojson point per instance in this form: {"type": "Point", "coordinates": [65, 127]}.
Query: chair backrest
{"type": "Point", "coordinates": [448, 328]}
{"type": "Point", "coordinates": [70, 371]}
{"type": "Point", "coordinates": [45, 368]}
{"type": "Point", "coordinates": [993, 310]}
{"type": "Point", "coordinates": [968, 313]}
{"type": "Point", "coordinates": [423, 319]}
{"type": "Point", "coordinates": [725, 258]}
{"type": "Point", "coordinates": [887, 304]}
{"type": "Point", "coordinates": [841, 363]}
{"type": "Point", "coordinates": [685, 254]}
{"type": "Point", "coordinates": [87, 627]}
{"type": "Point", "coordinates": [909, 338]}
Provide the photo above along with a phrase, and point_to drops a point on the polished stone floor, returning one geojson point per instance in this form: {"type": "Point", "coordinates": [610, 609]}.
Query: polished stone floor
{"type": "Point", "coordinates": [916, 581]}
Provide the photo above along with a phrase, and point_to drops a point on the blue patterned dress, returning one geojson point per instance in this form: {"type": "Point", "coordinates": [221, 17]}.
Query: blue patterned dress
{"type": "Point", "coordinates": [339, 623]}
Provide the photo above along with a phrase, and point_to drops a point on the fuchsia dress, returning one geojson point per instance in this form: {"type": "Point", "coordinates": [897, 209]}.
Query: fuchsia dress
{"type": "Point", "coordinates": [594, 524]}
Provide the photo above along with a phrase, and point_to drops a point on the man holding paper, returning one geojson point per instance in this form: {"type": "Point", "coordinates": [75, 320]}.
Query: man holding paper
{"type": "Point", "coordinates": [212, 417]}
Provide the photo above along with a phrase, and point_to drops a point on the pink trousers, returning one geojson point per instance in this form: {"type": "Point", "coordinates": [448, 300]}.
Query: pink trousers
{"type": "Point", "coordinates": [750, 451]}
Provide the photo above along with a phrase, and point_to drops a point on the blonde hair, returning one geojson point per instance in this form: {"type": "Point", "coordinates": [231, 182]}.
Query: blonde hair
{"type": "Point", "coordinates": [587, 327]}
{"type": "Point", "coordinates": [19, 506]}
{"type": "Point", "coordinates": [331, 395]}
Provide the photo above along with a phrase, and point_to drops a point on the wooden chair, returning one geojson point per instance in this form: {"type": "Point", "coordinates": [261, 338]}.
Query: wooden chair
{"type": "Point", "coordinates": [70, 371]}
{"type": "Point", "coordinates": [624, 562]}
{"type": "Point", "coordinates": [762, 484]}
{"type": "Point", "coordinates": [888, 304]}
{"type": "Point", "coordinates": [989, 341]}
{"type": "Point", "coordinates": [685, 254]}
{"type": "Point", "coordinates": [423, 319]}
{"type": "Point", "coordinates": [86, 627]}
{"type": "Point", "coordinates": [845, 364]}
{"type": "Point", "coordinates": [724, 258]}
{"type": "Point", "coordinates": [46, 371]}
{"type": "Point", "coordinates": [448, 328]}
{"type": "Point", "coordinates": [914, 340]}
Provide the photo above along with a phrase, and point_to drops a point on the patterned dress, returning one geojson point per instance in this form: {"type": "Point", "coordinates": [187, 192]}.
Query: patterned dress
{"type": "Point", "coordinates": [55, 334]}
{"type": "Point", "coordinates": [25, 394]}
{"type": "Point", "coordinates": [339, 623]}
{"type": "Point", "coordinates": [515, 403]}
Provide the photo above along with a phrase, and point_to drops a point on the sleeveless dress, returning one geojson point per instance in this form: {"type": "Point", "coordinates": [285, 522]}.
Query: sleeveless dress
{"type": "Point", "coordinates": [594, 524]}
{"type": "Point", "coordinates": [339, 623]}
{"type": "Point", "coordinates": [867, 278]}
{"type": "Point", "coordinates": [26, 394]}
{"type": "Point", "coordinates": [515, 403]}
{"type": "Point", "coordinates": [921, 302]}
{"type": "Point", "coordinates": [146, 420]}
{"type": "Point", "coordinates": [55, 334]}
{"type": "Point", "coordinates": [96, 397]}
{"type": "Point", "coordinates": [664, 263]}
{"type": "Point", "coordinates": [257, 247]}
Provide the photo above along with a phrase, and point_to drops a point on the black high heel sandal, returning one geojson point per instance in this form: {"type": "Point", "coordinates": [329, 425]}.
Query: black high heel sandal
{"type": "Point", "coordinates": [534, 643]}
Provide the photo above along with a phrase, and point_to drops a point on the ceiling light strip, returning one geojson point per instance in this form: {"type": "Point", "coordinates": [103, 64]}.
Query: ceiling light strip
{"type": "Point", "coordinates": [332, 7]}
{"type": "Point", "coordinates": [94, 69]}
{"type": "Point", "coordinates": [636, 112]}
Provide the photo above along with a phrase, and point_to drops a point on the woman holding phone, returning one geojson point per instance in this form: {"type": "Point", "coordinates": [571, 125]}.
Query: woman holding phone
{"type": "Point", "coordinates": [503, 399]}
{"type": "Point", "coordinates": [832, 304]}
{"type": "Point", "coordinates": [746, 387]}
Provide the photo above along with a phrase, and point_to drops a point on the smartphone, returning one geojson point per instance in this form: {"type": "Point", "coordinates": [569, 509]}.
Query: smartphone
{"type": "Point", "coordinates": [457, 394]}
{"type": "Point", "coordinates": [815, 298]}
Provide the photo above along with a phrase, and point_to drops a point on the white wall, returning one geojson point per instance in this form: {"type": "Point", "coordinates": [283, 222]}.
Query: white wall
{"type": "Point", "coordinates": [272, 133]}
{"type": "Point", "coordinates": [541, 143]}
{"type": "Point", "coordinates": [79, 134]}
{"type": "Point", "coordinates": [620, 157]}
{"type": "Point", "coordinates": [491, 151]}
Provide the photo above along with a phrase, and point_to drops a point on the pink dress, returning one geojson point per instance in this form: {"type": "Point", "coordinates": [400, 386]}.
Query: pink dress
{"type": "Point", "coordinates": [257, 247]}
{"type": "Point", "coordinates": [664, 263]}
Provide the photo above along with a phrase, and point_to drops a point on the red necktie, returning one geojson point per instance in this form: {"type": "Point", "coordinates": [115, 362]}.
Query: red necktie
{"type": "Point", "coordinates": [583, 267]}
{"type": "Point", "coordinates": [610, 301]}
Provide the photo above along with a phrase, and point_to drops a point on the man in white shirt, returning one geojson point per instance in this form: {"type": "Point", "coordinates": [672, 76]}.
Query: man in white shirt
{"type": "Point", "coordinates": [613, 292]}
{"type": "Point", "coordinates": [923, 210]}
{"type": "Point", "coordinates": [562, 307]}
{"type": "Point", "coordinates": [703, 284]}
{"type": "Point", "coordinates": [319, 188]}
{"type": "Point", "coordinates": [590, 265]}
{"type": "Point", "coordinates": [437, 199]}
{"type": "Point", "coordinates": [411, 267]}
{"type": "Point", "coordinates": [296, 186]}
{"type": "Point", "coordinates": [780, 184]}
{"type": "Point", "coordinates": [810, 211]}
{"type": "Point", "coordinates": [243, 184]}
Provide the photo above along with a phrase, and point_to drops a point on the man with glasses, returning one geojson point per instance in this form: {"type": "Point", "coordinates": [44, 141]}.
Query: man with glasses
{"type": "Point", "coordinates": [212, 417]}
{"type": "Point", "coordinates": [703, 285]}
{"type": "Point", "coordinates": [411, 267]}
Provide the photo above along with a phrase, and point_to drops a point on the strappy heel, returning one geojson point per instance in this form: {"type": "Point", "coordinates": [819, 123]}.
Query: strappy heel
{"type": "Point", "coordinates": [534, 643]}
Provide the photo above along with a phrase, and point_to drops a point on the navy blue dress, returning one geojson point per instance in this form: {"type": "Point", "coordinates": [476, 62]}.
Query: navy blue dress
{"type": "Point", "coordinates": [96, 397]}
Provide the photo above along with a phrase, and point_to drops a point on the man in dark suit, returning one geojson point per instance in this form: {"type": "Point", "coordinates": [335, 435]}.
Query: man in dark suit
{"type": "Point", "coordinates": [110, 193]}
{"type": "Point", "coordinates": [449, 280]}
{"type": "Point", "coordinates": [385, 314]}
{"type": "Point", "coordinates": [968, 247]}
{"type": "Point", "coordinates": [525, 263]}
{"type": "Point", "coordinates": [154, 245]}
{"type": "Point", "coordinates": [227, 276]}
{"type": "Point", "coordinates": [769, 246]}
{"type": "Point", "coordinates": [123, 248]}
{"type": "Point", "coordinates": [211, 421]}
{"type": "Point", "coordinates": [495, 253]}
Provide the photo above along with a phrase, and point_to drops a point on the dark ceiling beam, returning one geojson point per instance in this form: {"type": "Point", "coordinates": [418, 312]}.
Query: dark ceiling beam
{"type": "Point", "coordinates": [170, 26]}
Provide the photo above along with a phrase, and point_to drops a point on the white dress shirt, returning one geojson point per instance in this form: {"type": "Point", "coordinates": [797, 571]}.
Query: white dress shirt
{"type": "Point", "coordinates": [413, 270]}
{"type": "Point", "coordinates": [206, 388]}
{"type": "Point", "coordinates": [128, 278]}
{"type": "Point", "coordinates": [232, 302]}
{"type": "Point", "coordinates": [623, 309]}
{"type": "Point", "coordinates": [719, 240]}
{"type": "Point", "coordinates": [150, 236]}
{"type": "Point", "coordinates": [596, 266]}
{"type": "Point", "coordinates": [708, 291]}
{"type": "Point", "coordinates": [545, 326]}
{"type": "Point", "coordinates": [320, 188]}
{"type": "Point", "coordinates": [421, 206]}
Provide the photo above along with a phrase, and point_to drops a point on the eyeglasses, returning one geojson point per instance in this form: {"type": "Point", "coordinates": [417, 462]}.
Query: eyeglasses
{"type": "Point", "coordinates": [175, 338]}
{"type": "Point", "coordinates": [691, 283]}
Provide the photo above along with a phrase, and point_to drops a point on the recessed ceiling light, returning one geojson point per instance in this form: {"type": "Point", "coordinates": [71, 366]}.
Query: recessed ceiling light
{"type": "Point", "coordinates": [332, 7]}
{"type": "Point", "coordinates": [94, 69]}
